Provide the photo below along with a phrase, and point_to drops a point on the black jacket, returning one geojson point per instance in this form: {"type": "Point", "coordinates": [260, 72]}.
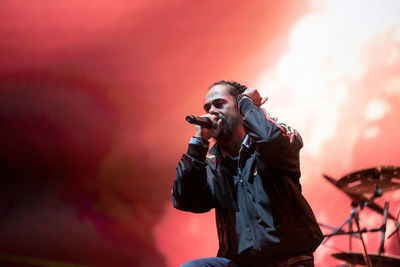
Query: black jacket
{"type": "Point", "coordinates": [260, 211]}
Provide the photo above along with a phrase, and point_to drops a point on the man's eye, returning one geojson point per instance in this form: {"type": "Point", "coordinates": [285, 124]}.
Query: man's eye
{"type": "Point", "coordinates": [218, 104]}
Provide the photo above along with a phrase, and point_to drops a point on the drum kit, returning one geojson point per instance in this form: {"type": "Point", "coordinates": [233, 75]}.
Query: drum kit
{"type": "Point", "coordinates": [364, 187]}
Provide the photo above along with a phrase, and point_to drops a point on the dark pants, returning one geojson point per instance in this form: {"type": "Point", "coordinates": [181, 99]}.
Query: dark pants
{"type": "Point", "coordinates": [301, 261]}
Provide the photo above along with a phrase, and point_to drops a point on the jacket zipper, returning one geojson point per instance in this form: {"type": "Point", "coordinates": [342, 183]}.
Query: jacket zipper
{"type": "Point", "coordinates": [249, 215]}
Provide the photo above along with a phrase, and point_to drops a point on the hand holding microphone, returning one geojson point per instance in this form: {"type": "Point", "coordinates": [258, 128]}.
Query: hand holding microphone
{"type": "Point", "coordinates": [201, 121]}
{"type": "Point", "coordinates": [207, 126]}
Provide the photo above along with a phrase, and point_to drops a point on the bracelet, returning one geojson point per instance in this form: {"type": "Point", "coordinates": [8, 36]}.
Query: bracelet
{"type": "Point", "coordinates": [240, 97]}
{"type": "Point", "coordinates": [200, 139]}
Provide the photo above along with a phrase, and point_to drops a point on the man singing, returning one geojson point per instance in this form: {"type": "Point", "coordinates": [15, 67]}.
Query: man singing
{"type": "Point", "coordinates": [251, 178]}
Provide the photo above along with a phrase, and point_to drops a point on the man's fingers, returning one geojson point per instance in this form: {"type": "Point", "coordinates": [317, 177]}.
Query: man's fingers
{"type": "Point", "coordinates": [263, 100]}
{"type": "Point", "coordinates": [219, 123]}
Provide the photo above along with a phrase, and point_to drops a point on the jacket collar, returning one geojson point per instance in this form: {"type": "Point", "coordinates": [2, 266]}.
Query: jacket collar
{"type": "Point", "coordinates": [247, 142]}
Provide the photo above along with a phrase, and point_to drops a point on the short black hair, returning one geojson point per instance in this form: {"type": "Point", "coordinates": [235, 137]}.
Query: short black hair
{"type": "Point", "coordinates": [235, 89]}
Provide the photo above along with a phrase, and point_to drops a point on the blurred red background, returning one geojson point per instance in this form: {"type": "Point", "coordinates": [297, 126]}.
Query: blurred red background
{"type": "Point", "coordinates": [93, 100]}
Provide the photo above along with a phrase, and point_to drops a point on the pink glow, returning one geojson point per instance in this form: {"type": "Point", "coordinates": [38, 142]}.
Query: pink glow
{"type": "Point", "coordinates": [94, 95]}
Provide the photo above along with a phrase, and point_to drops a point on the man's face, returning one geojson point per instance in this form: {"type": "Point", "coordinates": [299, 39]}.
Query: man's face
{"type": "Point", "coordinates": [220, 103]}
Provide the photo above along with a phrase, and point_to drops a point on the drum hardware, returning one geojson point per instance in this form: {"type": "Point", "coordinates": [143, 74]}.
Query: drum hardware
{"type": "Point", "coordinates": [397, 224]}
{"type": "Point", "coordinates": [375, 181]}
{"type": "Point", "coordinates": [376, 259]}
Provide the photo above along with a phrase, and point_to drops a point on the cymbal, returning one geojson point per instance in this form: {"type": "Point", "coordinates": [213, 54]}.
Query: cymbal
{"type": "Point", "coordinates": [359, 199]}
{"type": "Point", "coordinates": [387, 178]}
{"type": "Point", "coordinates": [383, 260]}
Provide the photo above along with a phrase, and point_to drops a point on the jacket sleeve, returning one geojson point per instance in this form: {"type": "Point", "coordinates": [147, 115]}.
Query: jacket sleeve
{"type": "Point", "coordinates": [191, 190]}
{"type": "Point", "coordinates": [278, 145]}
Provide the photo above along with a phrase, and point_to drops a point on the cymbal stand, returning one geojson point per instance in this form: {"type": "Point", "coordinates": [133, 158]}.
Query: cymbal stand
{"type": "Point", "coordinates": [383, 228]}
{"type": "Point", "coordinates": [378, 193]}
{"type": "Point", "coordinates": [365, 254]}
{"type": "Point", "coordinates": [348, 221]}
{"type": "Point", "coordinates": [397, 224]}
{"type": "Point", "coordinates": [354, 216]}
{"type": "Point", "coordinates": [350, 236]}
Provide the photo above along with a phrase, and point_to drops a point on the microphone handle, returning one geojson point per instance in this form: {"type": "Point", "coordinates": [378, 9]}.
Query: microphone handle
{"type": "Point", "coordinates": [201, 121]}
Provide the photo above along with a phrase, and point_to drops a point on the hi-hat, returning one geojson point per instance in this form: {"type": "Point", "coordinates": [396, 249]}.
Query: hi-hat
{"type": "Point", "coordinates": [382, 260]}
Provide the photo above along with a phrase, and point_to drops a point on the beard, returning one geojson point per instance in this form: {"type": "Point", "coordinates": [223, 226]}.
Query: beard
{"type": "Point", "coordinates": [229, 128]}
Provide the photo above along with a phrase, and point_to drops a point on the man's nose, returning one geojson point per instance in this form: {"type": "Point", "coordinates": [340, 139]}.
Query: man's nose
{"type": "Point", "coordinates": [213, 111]}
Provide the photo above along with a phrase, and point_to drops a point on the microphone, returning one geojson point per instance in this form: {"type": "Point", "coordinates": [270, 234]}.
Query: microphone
{"type": "Point", "coordinates": [201, 121]}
